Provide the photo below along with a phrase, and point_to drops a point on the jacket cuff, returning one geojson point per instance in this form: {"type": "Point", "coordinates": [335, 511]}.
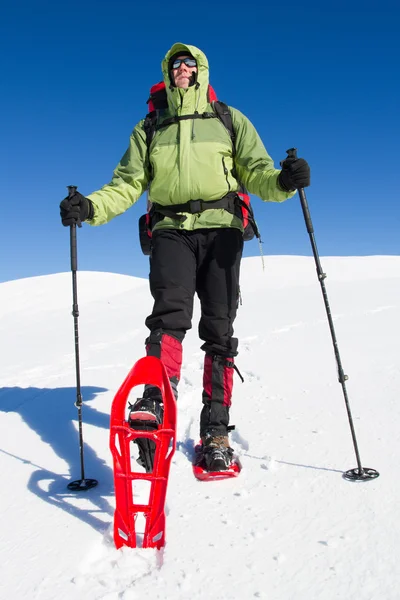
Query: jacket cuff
{"type": "Point", "coordinates": [281, 185]}
{"type": "Point", "coordinates": [91, 210]}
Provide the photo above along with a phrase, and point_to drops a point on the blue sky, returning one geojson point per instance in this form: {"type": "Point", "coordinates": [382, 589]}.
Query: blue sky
{"type": "Point", "coordinates": [75, 79]}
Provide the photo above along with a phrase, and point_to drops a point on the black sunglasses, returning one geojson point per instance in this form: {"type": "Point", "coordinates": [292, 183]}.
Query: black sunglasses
{"type": "Point", "coordinates": [189, 62]}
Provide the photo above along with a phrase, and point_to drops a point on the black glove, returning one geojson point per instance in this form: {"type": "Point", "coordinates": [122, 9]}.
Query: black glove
{"type": "Point", "coordinates": [295, 174]}
{"type": "Point", "coordinates": [76, 209]}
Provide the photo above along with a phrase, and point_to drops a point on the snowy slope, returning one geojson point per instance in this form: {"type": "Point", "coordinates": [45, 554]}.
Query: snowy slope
{"type": "Point", "coordinates": [289, 527]}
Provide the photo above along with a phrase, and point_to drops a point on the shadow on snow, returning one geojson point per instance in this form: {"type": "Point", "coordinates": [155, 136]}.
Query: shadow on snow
{"type": "Point", "coordinates": [51, 413]}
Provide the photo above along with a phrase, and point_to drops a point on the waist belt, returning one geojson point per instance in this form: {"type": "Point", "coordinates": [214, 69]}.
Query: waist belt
{"type": "Point", "coordinates": [231, 203]}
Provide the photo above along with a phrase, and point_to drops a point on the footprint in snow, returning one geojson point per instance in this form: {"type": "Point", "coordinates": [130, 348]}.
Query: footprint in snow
{"type": "Point", "coordinates": [268, 464]}
{"type": "Point", "coordinates": [187, 448]}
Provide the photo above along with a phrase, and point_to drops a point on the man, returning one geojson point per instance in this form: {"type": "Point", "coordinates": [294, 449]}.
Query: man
{"type": "Point", "coordinates": [191, 158]}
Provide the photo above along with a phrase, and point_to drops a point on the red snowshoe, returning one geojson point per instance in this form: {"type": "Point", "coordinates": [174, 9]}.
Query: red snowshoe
{"type": "Point", "coordinates": [161, 439]}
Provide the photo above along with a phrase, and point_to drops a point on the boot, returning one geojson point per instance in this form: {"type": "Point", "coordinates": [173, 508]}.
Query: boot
{"type": "Point", "coordinates": [147, 409]}
{"type": "Point", "coordinates": [217, 453]}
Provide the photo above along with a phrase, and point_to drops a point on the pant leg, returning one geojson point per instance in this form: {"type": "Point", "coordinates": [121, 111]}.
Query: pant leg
{"type": "Point", "coordinates": [172, 282]}
{"type": "Point", "coordinates": [218, 290]}
{"type": "Point", "coordinates": [217, 286]}
{"type": "Point", "coordinates": [172, 285]}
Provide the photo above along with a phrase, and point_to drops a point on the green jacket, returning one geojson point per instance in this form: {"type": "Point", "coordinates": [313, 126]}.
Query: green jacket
{"type": "Point", "coordinates": [190, 159]}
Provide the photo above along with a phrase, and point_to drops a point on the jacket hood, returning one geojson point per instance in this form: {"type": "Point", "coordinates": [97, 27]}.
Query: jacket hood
{"type": "Point", "coordinates": [200, 88]}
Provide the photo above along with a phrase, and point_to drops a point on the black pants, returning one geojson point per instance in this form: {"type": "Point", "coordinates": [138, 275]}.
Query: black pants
{"type": "Point", "coordinates": [206, 262]}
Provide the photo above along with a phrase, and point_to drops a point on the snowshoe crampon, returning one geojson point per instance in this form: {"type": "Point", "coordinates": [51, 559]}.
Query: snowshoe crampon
{"type": "Point", "coordinates": [201, 473]}
{"type": "Point", "coordinates": [148, 370]}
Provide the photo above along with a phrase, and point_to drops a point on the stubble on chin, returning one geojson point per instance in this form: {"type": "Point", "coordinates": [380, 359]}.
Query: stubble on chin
{"type": "Point", "coordinates": [182, 82]}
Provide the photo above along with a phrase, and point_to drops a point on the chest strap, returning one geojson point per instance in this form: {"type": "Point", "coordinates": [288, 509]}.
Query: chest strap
{"type": "Point", "coordinates": [176, 119]}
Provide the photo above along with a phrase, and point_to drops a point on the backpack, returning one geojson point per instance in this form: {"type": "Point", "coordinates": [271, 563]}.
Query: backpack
{"type": "Point", "coordinates": [237, 203]}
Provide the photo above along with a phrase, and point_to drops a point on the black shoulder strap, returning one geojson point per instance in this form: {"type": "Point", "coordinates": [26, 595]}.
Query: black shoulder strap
{"type": "Point", "coordinates": [149, 127]}
{"type": "Point", "coordinates": [224, 114]}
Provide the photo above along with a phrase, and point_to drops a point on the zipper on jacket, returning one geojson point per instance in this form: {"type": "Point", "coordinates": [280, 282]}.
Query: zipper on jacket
{"type": "Point", "coordinates": [226, 174]}
{"type": "Point", "coordinates": [196, 106]}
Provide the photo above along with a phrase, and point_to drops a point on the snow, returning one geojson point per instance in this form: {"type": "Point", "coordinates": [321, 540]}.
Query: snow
{"type": "Point", "coordinates": [290, 527]}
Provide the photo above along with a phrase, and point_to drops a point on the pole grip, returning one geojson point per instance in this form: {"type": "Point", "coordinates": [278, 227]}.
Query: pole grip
{"type": "Point", "coordinates": [292, 153]}
{"type": "Point", "coordinates": [74, 253]}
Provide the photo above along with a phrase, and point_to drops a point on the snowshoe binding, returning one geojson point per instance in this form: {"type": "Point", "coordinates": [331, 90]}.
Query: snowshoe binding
{"type": "Point", "coordinates": [146, 414]}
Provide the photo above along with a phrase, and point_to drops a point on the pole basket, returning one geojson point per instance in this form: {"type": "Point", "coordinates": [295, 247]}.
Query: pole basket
{"type": "Point", "coordinates": [82, 485]}
{"type": "Point", "coordinates": [363, 474]}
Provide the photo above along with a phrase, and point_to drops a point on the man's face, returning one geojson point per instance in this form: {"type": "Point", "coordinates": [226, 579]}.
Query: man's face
{"type": "Point", "coordinates": [183, 73]}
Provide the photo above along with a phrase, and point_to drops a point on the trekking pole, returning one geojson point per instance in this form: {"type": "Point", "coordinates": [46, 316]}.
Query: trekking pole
{"type": "Point", "coordinates": [360, 473]}
{"type": "Point", "coordinates": [83, 484]}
